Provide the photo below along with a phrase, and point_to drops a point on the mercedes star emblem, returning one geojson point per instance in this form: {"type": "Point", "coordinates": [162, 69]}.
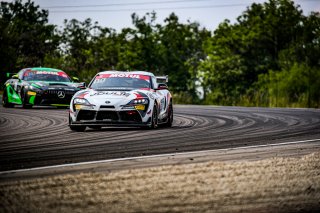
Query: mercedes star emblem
{"type": "Point", "coordinates": [61, 94]}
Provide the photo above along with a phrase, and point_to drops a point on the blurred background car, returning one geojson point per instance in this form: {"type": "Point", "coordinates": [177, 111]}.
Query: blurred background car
{"type": "Point", "coordinates": [40, 86]}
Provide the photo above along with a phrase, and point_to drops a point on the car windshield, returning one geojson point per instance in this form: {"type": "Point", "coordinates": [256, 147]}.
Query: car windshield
{"type": "Point", "coordinates": [120, 82]}
{"type": "Point", "coordinates": [34, 75]}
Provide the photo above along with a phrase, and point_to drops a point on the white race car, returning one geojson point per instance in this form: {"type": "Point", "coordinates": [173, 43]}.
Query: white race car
{"type": "Point", "coordinates": [118, 98]}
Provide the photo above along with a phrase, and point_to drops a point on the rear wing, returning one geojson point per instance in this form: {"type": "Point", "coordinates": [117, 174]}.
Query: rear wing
{"type": "Point", "coordinates": [9, 74]}
{"type": "Point", "coordinates": [162, 79]}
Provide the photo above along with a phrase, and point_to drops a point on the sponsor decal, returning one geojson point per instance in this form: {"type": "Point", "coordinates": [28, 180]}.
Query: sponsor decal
{"type": "Point", "coordinates": [123, 75]}
{"type": "Point", "coordinates": [118, 93]}
{"type": "Point", "coordinates": [140, 107]}
{"type": "Point", "coordinates": [35, 72]}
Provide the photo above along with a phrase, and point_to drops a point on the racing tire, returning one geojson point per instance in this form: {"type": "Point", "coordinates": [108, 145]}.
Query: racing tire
{"type": "Point", "coordinates": [5, 101]}
{"type": "Point", "coordinates": [95, 127]}
{"type": "Point", "coordinates": [154, 119]}
{"type": "Point", "coordinates": [170, 116]}
{"type": "Point", "coordinates": [25, 105]}
{"type": "Point", "coordinates": [62, 107]}
{"type": "Point", "coordinates": [76, 128]}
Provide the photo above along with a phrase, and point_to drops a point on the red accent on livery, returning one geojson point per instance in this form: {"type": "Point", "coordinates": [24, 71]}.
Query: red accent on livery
{"type": "Point", "coordinates": [140, 95]}
{"type": "Point", "coordinates": [82, 95]}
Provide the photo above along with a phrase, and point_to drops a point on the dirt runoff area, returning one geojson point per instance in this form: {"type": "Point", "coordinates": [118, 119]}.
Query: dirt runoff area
{"type": "Point", "coordinates": [270, 185]}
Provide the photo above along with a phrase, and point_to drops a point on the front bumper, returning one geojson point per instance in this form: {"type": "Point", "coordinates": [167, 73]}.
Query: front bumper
{"type": "Point", "coordinates": [50, 98]}
{"type": "Point", "coordinates": [126, 118]}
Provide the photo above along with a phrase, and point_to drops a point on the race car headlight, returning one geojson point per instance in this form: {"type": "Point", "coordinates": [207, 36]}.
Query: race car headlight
{"type": "Point", "coordinates": [140, 101]}
{"type": "Point", "coordinates": [139, 104]}
{"type": "Point", "coordinates": [35, 87]}
{"type": "Point", "coordinates": [81, 101]}
{"type": "Point", "coordinates": [32, 88]}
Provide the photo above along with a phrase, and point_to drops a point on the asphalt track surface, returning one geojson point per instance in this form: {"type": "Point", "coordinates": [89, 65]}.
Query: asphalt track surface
{"type": "Point", "coordinates": [41, 137]}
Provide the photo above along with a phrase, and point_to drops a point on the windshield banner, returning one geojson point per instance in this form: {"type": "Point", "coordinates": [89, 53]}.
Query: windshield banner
{"type": "Point", "coordinates": [124, 75]}
{"type": "Point", "coordinates": [36, 72]}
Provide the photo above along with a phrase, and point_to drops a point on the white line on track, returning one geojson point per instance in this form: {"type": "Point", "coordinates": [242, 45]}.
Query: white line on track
{"type": "Point", "coordinates": [153, 156]}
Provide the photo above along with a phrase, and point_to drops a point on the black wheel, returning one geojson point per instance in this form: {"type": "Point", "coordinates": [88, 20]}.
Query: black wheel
{"type": "Point", "coordinates": [62, 107]}
{"type": "Point", "coordinates": [95, 127]}
{"type": "Point", "coordinates": [154, 119]}
{"type": "Point", "coordinates": [170, 116]}
{"type": "Point", "coordinates": [5, 101]}
{"type": "Point", "coordinates": [24, 99]}
{"type": "Point", "coordinates": [76, 128]}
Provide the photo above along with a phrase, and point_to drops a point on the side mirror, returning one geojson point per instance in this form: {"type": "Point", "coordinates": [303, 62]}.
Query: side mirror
{"type": "Point", "coordinates": [75, 79]}
{"type": "Point", "coordinates": [162, 86]}
{"type": "Point", "coordinates": [16, 76]}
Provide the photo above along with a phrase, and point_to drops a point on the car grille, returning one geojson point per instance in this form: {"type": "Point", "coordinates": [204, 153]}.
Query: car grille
{"type": "Point", "coordinates": [130, 116]}
{"type": "Point", "coordinates": [107, 115]}
{"type": "Point", "coordinates": [90, 115]}
{"type": "Point", "coordinates": [86, 115]}
{"type": "Point", "coordinates": [67, 92]}
{"type": "Point", "coordinates": [51, 97]}
{"type": "Point", "coordinates": [106, 107]}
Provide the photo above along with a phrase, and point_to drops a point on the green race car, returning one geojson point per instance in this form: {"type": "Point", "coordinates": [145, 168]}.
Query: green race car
{"type": "Point", "coordinates": [39, 86]}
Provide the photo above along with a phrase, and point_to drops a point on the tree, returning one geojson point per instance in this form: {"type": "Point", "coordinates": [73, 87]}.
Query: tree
{"type": "Point", "coordinates": [25, 36]}
{"type": "Point", "coordinates": [78, 39]}
{"type": "Point", "coordinates": [182, 49]}
{"type": "Point", "coordinates": [240, 52]}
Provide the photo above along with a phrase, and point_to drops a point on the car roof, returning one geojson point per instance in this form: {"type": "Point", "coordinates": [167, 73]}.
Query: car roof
{"type": "Point", "coordinates": [127, 72]}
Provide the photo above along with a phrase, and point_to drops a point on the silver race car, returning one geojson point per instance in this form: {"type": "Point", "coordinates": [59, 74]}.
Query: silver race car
{"type": "Point", "coordinates": [116, 98]}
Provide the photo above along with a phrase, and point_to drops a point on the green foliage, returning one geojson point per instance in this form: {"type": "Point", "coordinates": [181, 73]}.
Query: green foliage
{"type": "Point", "coordinates": [270, 36]}
{"type": "Point", "coordinates": [183, 98]}
{"type": "Point", "coordinates": [298, 86]}
{"type": "Point", "coordinates": [25, 36]}
{"type": "Point", "coordinates": [268, 57]}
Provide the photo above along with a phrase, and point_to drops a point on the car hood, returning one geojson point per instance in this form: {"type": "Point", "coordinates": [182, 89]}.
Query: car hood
{"type": "Point", "coordinates": [53, 85]}
{"type": "Point", "coordinates": [113, 97]}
